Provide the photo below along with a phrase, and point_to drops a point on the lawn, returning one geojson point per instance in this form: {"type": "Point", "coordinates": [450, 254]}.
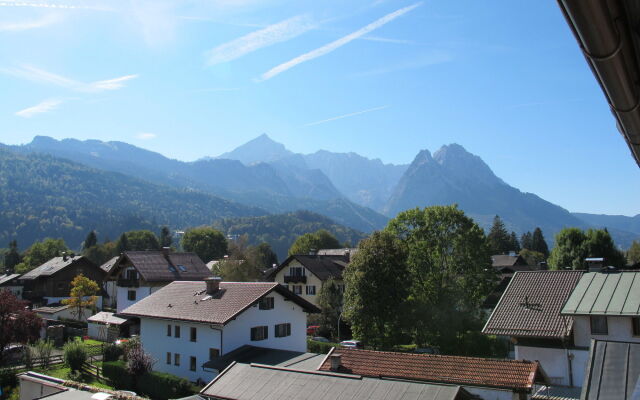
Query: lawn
{"type": "Point", "coordinates": [62, 372]}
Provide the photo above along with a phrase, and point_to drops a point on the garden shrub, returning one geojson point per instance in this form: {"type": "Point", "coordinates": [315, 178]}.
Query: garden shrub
{"type": "Point", "coordinates": [320, 347]}
{"type": "Point", "coordinates": [116, 372]}
{"type": "Point", "coordinates": [161, 386]}
{"type": "Point", "coordinates": [75, 354]}
{"type": "Point", "coordinates": [112, 352]}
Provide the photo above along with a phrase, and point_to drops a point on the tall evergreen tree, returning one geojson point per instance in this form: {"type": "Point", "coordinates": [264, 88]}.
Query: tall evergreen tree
{"type": "Point", "coordinates": [526, 241]}
{"type": "Point", "coordinates": [123, 244]}
{"type": "Point", "coordinates": [165, 237]}
{"type": "Point", "coordinates": [538, 243]}
{"type": "Point", "coordinates": [90, 241]}
{"type": "Point", "coordinates": [498, 238]}
{"type": "Point", "coordinates": [515, 244]}
{"type": "Point", "coordinates": [12, 258]}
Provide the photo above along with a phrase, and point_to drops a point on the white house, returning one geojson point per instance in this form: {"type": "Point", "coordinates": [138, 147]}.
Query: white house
{"type": "Point", "coordinates": [188, 323]}
{"type": "Point", "coordinates": [137, 274]}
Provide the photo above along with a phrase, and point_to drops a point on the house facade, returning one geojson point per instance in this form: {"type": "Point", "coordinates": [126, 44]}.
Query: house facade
{"type": "Point", "coordinates": [187, 324]}
{"type": "Point", "coordinates": [137, 274]}
{"type": "Point", "coordinates": [304, 275]}
{"type": "Point", "coordinates": [12, 283]}
{"type": "Point", "coordinates": [51, 282]}
{"type": "Point", "coordinates": [529, 315]}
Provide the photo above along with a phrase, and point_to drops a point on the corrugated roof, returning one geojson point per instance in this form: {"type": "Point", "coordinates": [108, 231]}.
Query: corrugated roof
{"type": "Point", "coordinates": [531, 305]}
{"type": "Point", "coordinates": [108, 266]}
{"type": "Point", "coordinates": [608, 293]}
{"type": "Point", "coordinates": [261, 382]}
{"type": "Point", "coordinates": [52, 266]}
{"type": "Point", "coordinates": [188, 301]}
{"type": "Point", "coordinates": [557, 393]}
{"type": "Point", "coordinates": [7, 278]}
{"type": "Point", "coordinates": [613, 371]}
{"type": "Point", "coordinates": [155, 266]}
{"type": "Point", "coordinates": [515, 375]}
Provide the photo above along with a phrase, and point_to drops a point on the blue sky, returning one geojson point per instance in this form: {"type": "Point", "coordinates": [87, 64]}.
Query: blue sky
{"type": "Point", "coordinates": [194, 78]}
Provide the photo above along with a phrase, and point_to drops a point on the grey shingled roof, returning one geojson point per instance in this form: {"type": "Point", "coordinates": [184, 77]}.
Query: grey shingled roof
{"type": "Point", "coordinates": [51, 267]}
{"type": "Point", "coordinates": [6, 278]}
{"type": "Point", "coordinates": [261, 382]}
{"type": "Point", "coordinates": [609, 293]}
{"type": "Point", "coordinates": [505, 260]}
{"type": "Point", "coordinates": [531, 305]}
{"type": "Point", "coordinates": [613, 371]}
{"type": "Point", "coordinates": [105, 317]}
{"type": "Point", "coordinates": [322, 266]}
{"type": "Point", "coordinates": [188, 301]}
{"type": "Point", "coordinates": [154, 266]}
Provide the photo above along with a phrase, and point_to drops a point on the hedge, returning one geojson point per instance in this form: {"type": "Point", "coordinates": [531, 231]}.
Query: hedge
{"type": "Point", "coordinates": [155, 385]}
{"type": "Point", "coordinates": [320, 347]}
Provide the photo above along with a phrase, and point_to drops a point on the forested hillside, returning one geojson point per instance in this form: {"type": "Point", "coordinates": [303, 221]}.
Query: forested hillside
{"type": "Point", "coordinates": [281, 230]}
{"type": "Point", "coordinates": [42, 196]}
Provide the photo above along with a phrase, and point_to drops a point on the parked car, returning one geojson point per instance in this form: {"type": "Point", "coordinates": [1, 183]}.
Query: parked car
{"type": "Point", "coordinates": [354, 344]}
{"type": "Point", "coordinates": [13, 352]}
{"type": "Point", "coordinates": [320, 339]}
{"type": "Point", "coordinates": [311, 329]}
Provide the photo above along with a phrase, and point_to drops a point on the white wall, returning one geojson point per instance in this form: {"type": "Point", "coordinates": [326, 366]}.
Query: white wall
{"type": "Point", "coordinates": [153, 334]}
{"type": "Point", "coordinates": [619, 329]}
{"type": "Point", "coordinates": [112, 291]}
{"type": "Point", "coordinates": [492, 394]}
{"type": "Point", "coordinates": [33, 389]}
{"type": "Point", "coordinates": [16, 290]}
{"type": "Point", "coordinates": [123, 299]}
{"type": "Point", "coordinates": [555, 363]}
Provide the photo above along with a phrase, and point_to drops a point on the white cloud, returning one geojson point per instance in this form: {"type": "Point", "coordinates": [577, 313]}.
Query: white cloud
{"type": "Point", "coordinates": [34, 74]}
{"type": "Point", "coordinates": [44, 21]}
{"type": "Point", "coordinates": [272, 34]}
{"type": "Point", "coordinates": [346, 115]}
{"type": "Point", "coordinates": [40, 108]}
{"type": "Point", "coordinates": [146, 135]}
{"type": "Point", "coordinates": [326, 49]}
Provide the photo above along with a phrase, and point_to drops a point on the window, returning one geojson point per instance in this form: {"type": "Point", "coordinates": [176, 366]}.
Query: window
{"type": "Point", "coordinates": [635, 324]}
{"type": "Point", "coordinates": [193, 334]}
{"type": "Point", "coordinates": [131, 295]}
{"type": "Point", "coordinates": [213, 354]}
{"type": "Point", "coordinates": [259, 333]}
{"type": "Point", "coordinates": [192, 363]}
{"type": "Point", "coordinates": [266, 303]}
{"type": "Point", "coordinates": [311, 290]}
{"type": "Point", "coordinates": [168, 330]}
{"type": "Point", "coordinates": [176, 331]}
{"type": "Point", "coordinates": [169, 358]}
{"type": "Point", "coordinates": [296, 271]}
{"type": "Point", "coordinates": [599, 325]}
{"type": "Point", "coordinates": [297, 289]}
{"type": "Point", "coordinates": [131, 275]}
{"type": "Point", "coordinates": [283, 330]}
{"type": "Point", "coordinates": [176, 359]}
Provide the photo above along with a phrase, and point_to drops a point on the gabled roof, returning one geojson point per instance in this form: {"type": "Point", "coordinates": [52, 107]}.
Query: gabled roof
{"type": "Point", "coordinates": [53, 266]}
{"type": "Point", "coordinates": [108, 266]}
{"type": "Point", "coordinates": [531, 304]}
{"type": "Point", "coordinates": [157, 266]}
{"type": "Point", "coordinates": [6, 278]}
{"type": "Point", "coordinates": [505, 260]}
{"type": "Point", "coordinates": [188, 301]}
{"type": "Point", "coordinates": [258, 382]}
{"type": "Point", "coordinates": [252, 354]}
{"type": "Point", "coordinates": [515, 375]}
{"type": "Point", "coordinates": [613, 371]}
{"type": "Point", "coordinates": [322, 266]}
{"type": "Point", "coordinates": [609, 293]}
{"type": "Point", "coordinates": [104, 317]}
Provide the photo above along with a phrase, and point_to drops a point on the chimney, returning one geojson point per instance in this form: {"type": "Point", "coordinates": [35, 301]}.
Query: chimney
{"type": "Point", "coordinates": [64, 256]}
{"type": "Point", "coordinates": [165, 251]}
{"type": "Point", "coordinates": [595, 264]}
{"type": "Point", "coordinates": [312, 252]}
{"type": "Point", "coordinates": [213, 284]}
{"type": "Point", "coordinates": [336, 360]}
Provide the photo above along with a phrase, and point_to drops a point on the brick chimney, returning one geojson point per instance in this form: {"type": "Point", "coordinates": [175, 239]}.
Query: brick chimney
{"type": "Point", "coordinates": [213, 284]}
{"type": "Point", "coordinates": [336, 361]}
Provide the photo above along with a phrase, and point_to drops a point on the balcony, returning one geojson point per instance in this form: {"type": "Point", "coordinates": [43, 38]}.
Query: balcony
{"type": "Point", "coordinates": [295, 279]}
{"type": "Point", "coordinates": [123, 282]}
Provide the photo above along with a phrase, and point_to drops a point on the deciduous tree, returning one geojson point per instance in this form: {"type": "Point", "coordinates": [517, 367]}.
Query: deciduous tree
{"type": "Point", "coordinates": [633, 254]}
{"type": "Point", "coordinates": [17, 323]}
{"type": "Point", "coordinates": [208, 243]}
{"type": "Point", "coordinates": [573, 246]}
{"type": "Point", "coordinates": [321, 239]}
{"type": "Point", "coordinates": [377, 289]}
{"type": "Point", "coordinates": [41, 252]}
{"type": "Point", "coordinates": [82, 295]}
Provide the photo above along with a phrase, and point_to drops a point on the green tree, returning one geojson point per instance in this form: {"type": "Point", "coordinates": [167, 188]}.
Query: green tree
{"type": "Point", "coordinates": [376, 291]}
{"type": "Point", "coordinates": [142, 240]}
{"type": "Point", "coordinates": [208, 243]}
{"type": "Point", "coordinates": [101, 253]}
{"type": "Point", "coordinates": [12, 257]}
{"type": "Point", "coordinates": [90, 241]}
{"type": "Point", "coordinates": [41, 252]}
{"type": "Point", "coordinates": [321, 239]}
{"type": "Point", "coordinates": [75, 354]}
{"type": "Point", "coordinates": [514, 243]}
{"type": "Point", "coordinates": [538, 243]}
{"type": "Point", "coordinates": [330, 304]}
{"type": "Point", "coordinates": [633, 254]}
{"type": "Point", "coordinates": [449, 273]}
{"type": "Point", "coordinates": [532, 258]}
{"type": "Point", "coordinates": [123, 244]}
{"type": "Point", "coordinates": [262, 256]}
{"type": "Point", "coordinates": [599, 243]}
{"type": "Point", "coordinates": [240, 266]}
{"type": "Point", "coordinates": [498, 238]}
{"type": "Point", "coordinates": [165, 237]}
{"type": "Point", "coordinates": [526, 240]}
{"type": "Point", "coordinates": [573, 246]}
{"type": "Point", "coordinates": [82, 295]}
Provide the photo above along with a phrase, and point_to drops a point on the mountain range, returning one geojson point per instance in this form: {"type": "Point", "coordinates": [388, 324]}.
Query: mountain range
{"type": "Point", "coordinates": [263, 177]}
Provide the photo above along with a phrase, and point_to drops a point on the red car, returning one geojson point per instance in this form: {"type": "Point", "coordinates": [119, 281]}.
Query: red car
{"type": "Point", "coordinates": [311, 329]}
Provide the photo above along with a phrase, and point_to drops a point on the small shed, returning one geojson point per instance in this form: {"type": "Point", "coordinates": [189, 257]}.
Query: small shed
{"type": "Point", "coordinates": [107, 326]}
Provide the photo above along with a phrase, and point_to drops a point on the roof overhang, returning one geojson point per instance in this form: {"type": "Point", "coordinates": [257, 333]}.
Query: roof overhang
{"type": "Point", "coordinates": [607, 32]}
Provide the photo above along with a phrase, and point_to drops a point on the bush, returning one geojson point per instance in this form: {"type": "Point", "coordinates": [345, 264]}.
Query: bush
{"type": "Point", "coordinates": [320, 347]}
{"type": "Point", "coordinates": [112, 352]}
{"type": "Point", "coordinates": [116, 372]}
{"type": "Point", "coordinates": [8, 378]}
{"type": "Point", "coordinates": [158, 385]}
{"type": "Point", "coordinates": [42, 350]}
{"type": "Point", "coordinates": [74, 355]}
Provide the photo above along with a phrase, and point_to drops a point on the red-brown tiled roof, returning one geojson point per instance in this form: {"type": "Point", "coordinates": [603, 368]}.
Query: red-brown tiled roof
{"type": "Point", "coordinates": [188, 301]}
{"type": "Point", "coordinates": [467, 371]}
{"type": "Point", "coordinates": [531, 305]}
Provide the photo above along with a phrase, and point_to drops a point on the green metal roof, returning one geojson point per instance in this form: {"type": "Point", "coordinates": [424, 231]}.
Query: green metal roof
{"type": "Point", "coordinates": [597, 293]}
